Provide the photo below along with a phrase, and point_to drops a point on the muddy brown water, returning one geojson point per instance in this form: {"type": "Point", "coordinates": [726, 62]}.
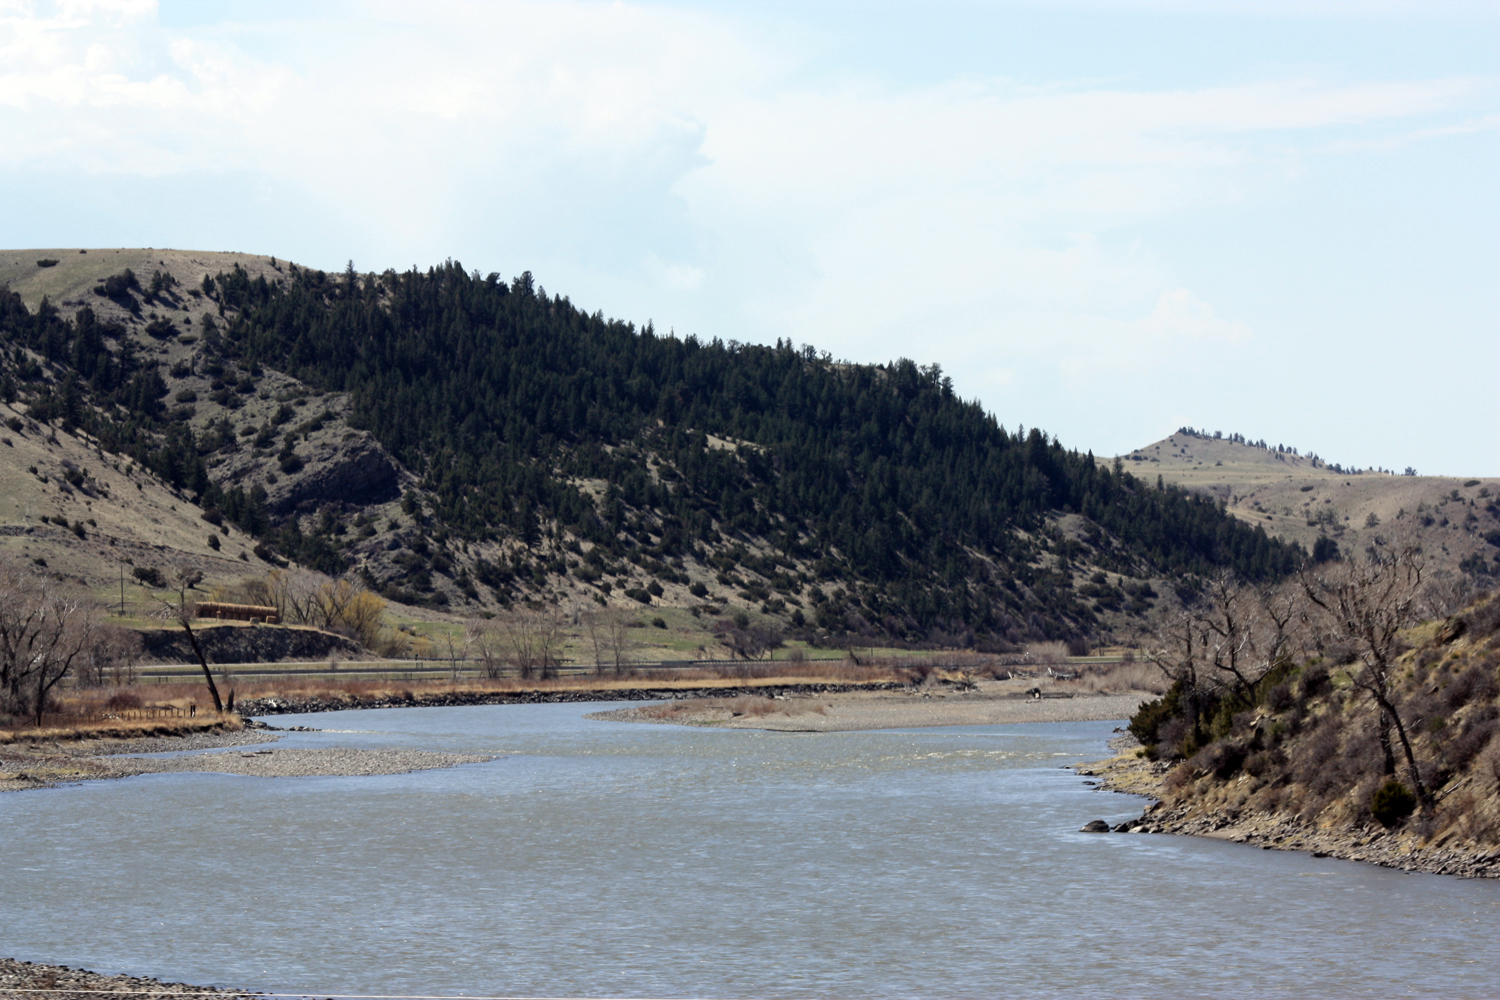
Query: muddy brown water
{"type": "Point", "coordinates": [601, 859]}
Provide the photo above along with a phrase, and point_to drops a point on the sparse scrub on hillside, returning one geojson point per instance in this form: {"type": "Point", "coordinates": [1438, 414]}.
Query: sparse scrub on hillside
{"type": "Point", "coordinates": [1370, 721]}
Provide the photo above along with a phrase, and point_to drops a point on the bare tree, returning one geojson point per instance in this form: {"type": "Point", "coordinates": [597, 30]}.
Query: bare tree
{"type": "Point", "coordinates": [1358, 610]}
{"type": "Point", "coordinates": [44, 634]}
{"type": "Point", "coordinates": [185, 578]}
{"type": "Point", "coordinates": [304, 597]}
{"type": "Point", "coordinates": [531, 640]}
{"type": "Point", "coordinates": [1229, 639]}
{"type": "Point", "coordinates": [112, 657]}
{"type": "Point", "coordinates": [1445, 594]}
{"type": "Point", "coordinates": [609, 637]}
{"type": "Point", "coordinates": [1178, 649]}
{"type": "Point", "coordinates": [751, 642]}
{"type": "Point", "coordinates": [452, 644]}
{"type": "Point", "coordinates": [484, 640]}
{"type": "Point", "coordinates": [1246, 631]}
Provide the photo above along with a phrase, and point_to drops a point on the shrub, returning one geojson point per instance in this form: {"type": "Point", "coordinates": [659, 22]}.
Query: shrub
{"type": "Point", "coordinates": [698, 589]}
{"type": "Point", "coordinates": [47, 262]}
{"type": "Point", "coordinates": [637, 594]}
{"type": "Point", "coordinates": [118, 286]}
{"type": "Point", "coordinates": [1147, 722]}
{"type": "Point", "coordinates": [1392, 803]}
{"type": "Point", "coordinates": [1314, 681]}
{"type": "Point", "coordinates": [149, 575]}
{"type": "Point", "coordinates": [1478, 733]}
{"type": "Point", "coordinates": [161, 329]}
{"type": "Point", "coordinates": [658, 623]}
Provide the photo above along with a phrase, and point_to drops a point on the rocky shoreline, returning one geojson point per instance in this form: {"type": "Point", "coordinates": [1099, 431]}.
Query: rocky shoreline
{"type": "Point", "coordinates": [1398, 849]}
{"type": "Point", "coordinates": [28, 981]}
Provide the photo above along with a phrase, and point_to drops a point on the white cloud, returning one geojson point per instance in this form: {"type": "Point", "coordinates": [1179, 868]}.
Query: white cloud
{"type": "Point", "coordinates": [659, 161]}
{"type": "Point", "coordinates": [1181, 316]}
{"type": "Point", "coordinates": [682, 276]}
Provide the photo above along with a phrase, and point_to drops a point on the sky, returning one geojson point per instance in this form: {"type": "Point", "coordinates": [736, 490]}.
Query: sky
{"type": "Point", "coordinates": [1106, 220]}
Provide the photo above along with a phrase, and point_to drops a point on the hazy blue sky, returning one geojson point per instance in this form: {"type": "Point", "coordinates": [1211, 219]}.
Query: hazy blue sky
{"type": "Point", "coordinates": [1103, 219]}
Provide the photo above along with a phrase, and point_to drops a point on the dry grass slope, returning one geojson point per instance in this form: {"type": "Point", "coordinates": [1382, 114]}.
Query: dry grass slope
{"type": "Point", "coordinates": [1299, 499]}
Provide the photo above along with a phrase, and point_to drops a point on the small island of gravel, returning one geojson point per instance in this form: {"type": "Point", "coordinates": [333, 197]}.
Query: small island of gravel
{"type": "Point", "coordinates": [985, 703]}
{"type": "Point", "coordinates": [51, 762]}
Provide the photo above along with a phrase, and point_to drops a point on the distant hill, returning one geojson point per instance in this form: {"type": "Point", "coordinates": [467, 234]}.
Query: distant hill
{"type": "Point", "coordinates": [1302, 499]}
{"type": "Point", "coordinates": [467, 443]}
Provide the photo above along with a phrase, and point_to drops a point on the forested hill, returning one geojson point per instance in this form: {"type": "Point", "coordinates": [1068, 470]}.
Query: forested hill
{"type": "Point", "coordinates": [555, 446]}
{"type": "Point", "coordinates": [507, 400]}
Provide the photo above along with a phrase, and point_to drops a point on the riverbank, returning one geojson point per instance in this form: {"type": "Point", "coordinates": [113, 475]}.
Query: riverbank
{"type": "Point", "coordinates": [342, 701]}
{"type": "Point", "coordinates": [27, 981]}
{"type": "Point", "coordinates": [1403, 849]}
{"type": "Point", "coordinates": [983, 704]}
{"type": "Point", "coordinates": [48, 763]}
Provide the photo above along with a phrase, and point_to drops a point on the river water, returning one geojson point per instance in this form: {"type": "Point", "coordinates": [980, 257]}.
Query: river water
{"type": "Point", "coordinates": [602, 859]}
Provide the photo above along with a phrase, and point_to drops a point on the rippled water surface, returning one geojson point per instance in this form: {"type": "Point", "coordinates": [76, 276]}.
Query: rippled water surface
{"type": "Point", "coordinates": [607, 859]}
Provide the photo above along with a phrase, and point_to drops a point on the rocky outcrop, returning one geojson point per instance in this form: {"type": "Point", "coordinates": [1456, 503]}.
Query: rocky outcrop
{"type": "Point", "coordinates": [338, 465]}
{"type": "Point", "coordinates": [248, 644]}
{"type": "Point", "coordinates": [353, 469]}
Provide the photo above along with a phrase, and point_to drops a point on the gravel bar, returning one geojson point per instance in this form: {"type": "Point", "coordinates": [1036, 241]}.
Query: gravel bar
{"type": "Point", "coordinates": [302, 763]}
{"type": "Point", "coordinates": [43, 764]}
{"type": "Point", "coordinates": [29, 981]}
{"type": "Point", "coordinates": [849, 712]}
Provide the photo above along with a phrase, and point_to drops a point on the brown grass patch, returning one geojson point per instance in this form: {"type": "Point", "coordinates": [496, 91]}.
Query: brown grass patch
{"type": "Point", "coordinates": [1119, 678]}
{"type": "Point", "coordinates": [62, 728]}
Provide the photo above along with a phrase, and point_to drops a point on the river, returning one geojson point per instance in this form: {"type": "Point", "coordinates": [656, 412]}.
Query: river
{"type": "Point", "coordinates": [602, 859]}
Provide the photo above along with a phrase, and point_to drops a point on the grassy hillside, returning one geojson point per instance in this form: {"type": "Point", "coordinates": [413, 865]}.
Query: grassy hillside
{"type": "Point", "coordinates": [467, 444]}
{"type": "Point", "coordinates": [1301, 499]}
